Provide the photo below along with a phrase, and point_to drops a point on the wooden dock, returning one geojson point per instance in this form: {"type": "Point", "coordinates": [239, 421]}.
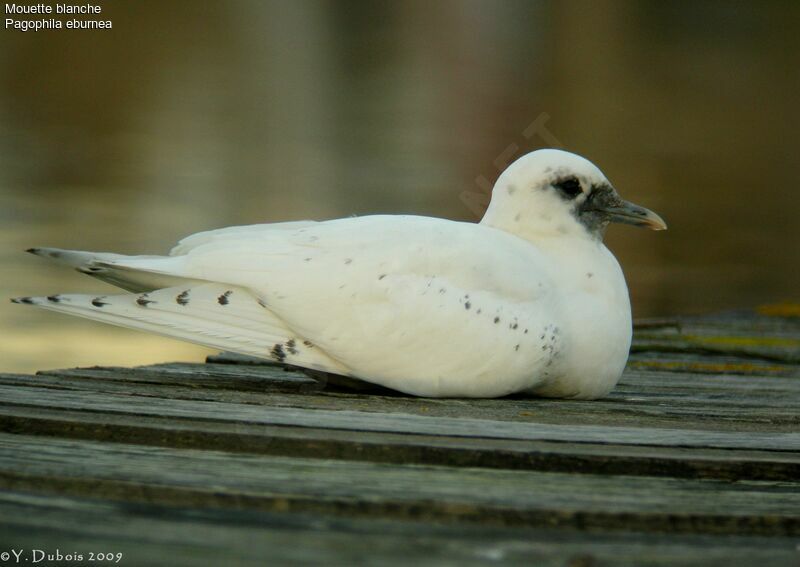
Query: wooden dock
{"type": "Point", "coordinates": [693, 460]}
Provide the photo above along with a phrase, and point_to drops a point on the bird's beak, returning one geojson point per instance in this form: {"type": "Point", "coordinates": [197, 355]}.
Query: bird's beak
{"type": "Point", "coordinates": [628, 213]}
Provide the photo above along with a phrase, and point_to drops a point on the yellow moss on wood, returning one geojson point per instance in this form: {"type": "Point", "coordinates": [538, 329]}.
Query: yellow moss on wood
{"type": "Point", "coordinates": [779, 309]}
{"type": "Point", "coordinates": [743, 341]}
{"type": "Point", "coordinates": [708, 367]}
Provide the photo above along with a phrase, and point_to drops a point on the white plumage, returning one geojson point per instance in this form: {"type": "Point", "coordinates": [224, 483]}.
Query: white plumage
{"type": "Point", "coordinates": [528, 300]}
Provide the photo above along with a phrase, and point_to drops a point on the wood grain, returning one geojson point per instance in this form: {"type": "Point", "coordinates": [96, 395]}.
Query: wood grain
{"type": "Point", "coordinates": [153, 534]}
{"type": "Point", "coordinates": [694, 458]}
{"type": "Point", "coordinates": [189, 477]}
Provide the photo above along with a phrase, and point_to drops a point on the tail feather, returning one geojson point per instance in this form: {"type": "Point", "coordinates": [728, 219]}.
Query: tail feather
{"type": "Point", "coordinates": [213, 315]}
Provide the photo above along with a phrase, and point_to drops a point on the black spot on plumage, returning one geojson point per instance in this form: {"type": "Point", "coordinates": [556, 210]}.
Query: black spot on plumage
{"type": "Point", "coordinates": [306, 259]}
{"type": "Point", "coordinates": [513, 326]}
{"type": "Point", "coordinates": [261, 302]}
{"type": "Point", "coordinates": [308, 343]}
{"type": "Point", "coordinates": [89, 269]}
{"type": "Point", "coordinates": [278, 353]}
{"type": "Point", "coordinates": [223, 299]}
{"type": "Point", "coordinates": [143, 301]}
{"type": "Point", "coordinates": [98, 302]}
{"type": "Point", "coordinates": [516, 348]}
{"type": "Point", "coordinates": [380, 277]}
{"type": "Point", "coordinates": [496, 320]}
{"type": "Point", "coordinates": [348, 260]}
{"type": "Point", "coordinates": [183, 298]}
{"type": "Point", "coordinates": [467, 305]}
{"type": "Point", "coordinates": [290, 346]}
{"type": "Point", "coordinates": [54, 298]}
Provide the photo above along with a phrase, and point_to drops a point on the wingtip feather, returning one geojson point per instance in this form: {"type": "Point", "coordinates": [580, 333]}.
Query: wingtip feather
{"type": "Point", "coordinates": [54, 253]}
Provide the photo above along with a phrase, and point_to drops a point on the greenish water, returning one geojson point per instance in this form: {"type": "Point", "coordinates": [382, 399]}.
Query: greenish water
{"type": "Point", "coordinates": [193, 115]}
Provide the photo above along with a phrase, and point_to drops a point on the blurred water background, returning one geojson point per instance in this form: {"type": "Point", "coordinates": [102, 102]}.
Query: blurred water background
{"type": "Point", "coordinates": [195, 114]}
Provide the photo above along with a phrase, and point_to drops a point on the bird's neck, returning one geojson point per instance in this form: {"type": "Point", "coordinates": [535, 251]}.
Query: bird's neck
{"type": "Point", "coordinates": [534, 221]}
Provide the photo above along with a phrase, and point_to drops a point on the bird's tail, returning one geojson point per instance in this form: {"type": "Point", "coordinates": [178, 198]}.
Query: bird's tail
{"type": "Point", "coordinates": [212, 315]}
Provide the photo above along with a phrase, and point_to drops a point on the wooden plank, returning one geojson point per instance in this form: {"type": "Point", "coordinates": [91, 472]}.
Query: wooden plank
{"type": "Point", "coordinates": [742, 335]}
{"type": "Point", "coordinates": [594, 458]}
{"type": "Point", "coordinates": [731, 400]}
{"type": "Point", "coordinates": [271, 378]}
{"type": "Point", "coordinates": [158, 535]}
{"type": "Point", "coordinates": [746, 388]}
{"type": "Point", "coordinates": [629, 407]}
{"type": "Point", "coordinates": [721, 366]}
{"type": "Point", "coordinates": [744, 402]}
{"type": "Point", "coordinates": [261, 378]}
{"type": "Point", "coordinates": [694, 378]}
{"type": "Point", "coordinates": [187, 477]}
{"type": "Point", "coordinates": [394, 422]}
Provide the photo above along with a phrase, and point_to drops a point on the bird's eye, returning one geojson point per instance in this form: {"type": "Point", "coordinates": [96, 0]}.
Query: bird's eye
{"type": "Point", "coordinates": [570, 187]}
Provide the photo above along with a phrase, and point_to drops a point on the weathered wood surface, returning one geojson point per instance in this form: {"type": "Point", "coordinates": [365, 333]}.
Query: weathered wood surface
{"type": "Point", "coordinates": [771, 336]}
{"type": "Point", "coordinates": [152, 534]}
{"type": "Point", "coordinates": [693, 459]}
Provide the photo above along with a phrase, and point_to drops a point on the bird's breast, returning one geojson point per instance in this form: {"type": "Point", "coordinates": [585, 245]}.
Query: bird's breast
{"type": "Point", "coordinates": [596, 314]}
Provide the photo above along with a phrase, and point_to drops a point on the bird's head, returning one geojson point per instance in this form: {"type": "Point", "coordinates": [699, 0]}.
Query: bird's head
{"type": "Point", "coordinates": [553, 191]}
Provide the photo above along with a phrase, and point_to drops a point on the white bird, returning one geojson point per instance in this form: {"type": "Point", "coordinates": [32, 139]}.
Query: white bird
{"type": "Point", "coordinates": [528, 300]}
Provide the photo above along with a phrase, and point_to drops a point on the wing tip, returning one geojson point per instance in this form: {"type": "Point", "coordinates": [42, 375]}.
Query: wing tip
{"type": "Point", "coordinates": [54, 253]}
{"type": "Point", "coordinates": [27, 300]}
